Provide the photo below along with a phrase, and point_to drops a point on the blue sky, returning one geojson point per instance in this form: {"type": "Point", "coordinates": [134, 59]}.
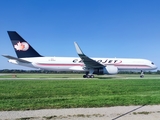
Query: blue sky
{"type": "Point", "coordinates": [102, 28]}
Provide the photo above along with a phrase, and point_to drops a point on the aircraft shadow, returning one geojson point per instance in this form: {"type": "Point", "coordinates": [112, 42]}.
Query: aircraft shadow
{"type": "Point", "coordinates": [105, 77]}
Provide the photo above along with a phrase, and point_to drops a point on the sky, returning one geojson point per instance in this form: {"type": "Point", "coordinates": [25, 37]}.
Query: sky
{"type": "Point", "coordinates": [102, 28]}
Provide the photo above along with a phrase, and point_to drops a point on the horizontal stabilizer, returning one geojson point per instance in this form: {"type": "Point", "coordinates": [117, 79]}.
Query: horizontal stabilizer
{"type": "Point", "coordinates": [14, 58]}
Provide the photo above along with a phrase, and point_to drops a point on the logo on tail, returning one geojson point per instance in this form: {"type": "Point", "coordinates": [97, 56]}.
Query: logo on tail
{"type": "Point", "coordinates": [23, 46]}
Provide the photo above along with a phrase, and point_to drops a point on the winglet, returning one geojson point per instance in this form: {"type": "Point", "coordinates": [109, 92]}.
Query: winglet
{"type": "Point", "coordinates": [89, 63]}
{"type": "Point", "coordinates": [78, 49]}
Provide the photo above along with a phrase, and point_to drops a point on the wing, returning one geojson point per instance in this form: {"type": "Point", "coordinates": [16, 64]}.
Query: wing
{"type": "Point", "coordinates": [14, 58]}
{"type": "Point", "coordinates": [89, 63]}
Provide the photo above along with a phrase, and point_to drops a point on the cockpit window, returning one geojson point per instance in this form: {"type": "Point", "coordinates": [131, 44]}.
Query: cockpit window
{"type": "Point", "coordinates": [152, 63]}
{"type": "Point", "coordinates": [109, 61]}
{"type": "Point", "coordinates": [115, 61]}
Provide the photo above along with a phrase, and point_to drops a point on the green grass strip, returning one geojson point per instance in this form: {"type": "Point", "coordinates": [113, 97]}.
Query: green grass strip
{"type": "Point", "coordinates": [43, 94]}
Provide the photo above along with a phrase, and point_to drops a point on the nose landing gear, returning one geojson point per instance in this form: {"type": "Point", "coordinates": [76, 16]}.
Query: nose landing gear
{"type": "Point", "coordinates": [142, 74]}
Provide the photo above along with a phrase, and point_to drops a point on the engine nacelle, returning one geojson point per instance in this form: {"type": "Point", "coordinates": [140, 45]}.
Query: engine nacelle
{"type": "Point", "coordinates": [110, 70]}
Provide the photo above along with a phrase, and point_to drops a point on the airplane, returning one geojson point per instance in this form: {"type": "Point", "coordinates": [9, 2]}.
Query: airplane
{"type": "Point", "coordinates": [29, 57]}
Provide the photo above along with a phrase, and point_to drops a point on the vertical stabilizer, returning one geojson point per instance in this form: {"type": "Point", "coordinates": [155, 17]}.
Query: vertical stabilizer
{"type": "Point", "coordinates": [22, 48]}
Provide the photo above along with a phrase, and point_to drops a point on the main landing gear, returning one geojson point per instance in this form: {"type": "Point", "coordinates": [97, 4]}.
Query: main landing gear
{"type": "Point", "coordinates": [142, 74]}
{"type": "Point", "coordinates": [89, 74]}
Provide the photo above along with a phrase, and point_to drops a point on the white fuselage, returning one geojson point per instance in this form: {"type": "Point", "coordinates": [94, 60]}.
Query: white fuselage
{"type": "Point", "coordinates": [76, 64]}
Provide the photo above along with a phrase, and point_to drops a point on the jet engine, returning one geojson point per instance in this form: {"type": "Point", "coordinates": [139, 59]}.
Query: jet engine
{"type": "Point", "coordinates": [110, 70]}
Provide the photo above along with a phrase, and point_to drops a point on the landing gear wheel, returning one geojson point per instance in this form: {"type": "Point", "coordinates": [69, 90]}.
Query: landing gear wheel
{"type": "Point", "coordinates": [91, 76]}
{"type": "Point", "coordinates": [84, 76]}
{"type": "Point", "coordinates": [88, 76]}
{"type": "Point", "coordinates": [141, 76]}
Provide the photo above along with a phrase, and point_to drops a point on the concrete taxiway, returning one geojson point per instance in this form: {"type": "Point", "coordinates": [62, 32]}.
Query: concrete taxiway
{"type": "Point", "coordinates": [104, 113]}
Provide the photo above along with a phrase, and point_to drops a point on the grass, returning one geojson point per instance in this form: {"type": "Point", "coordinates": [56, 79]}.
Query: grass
{"type": "Point", "coordinates": [44, 94]}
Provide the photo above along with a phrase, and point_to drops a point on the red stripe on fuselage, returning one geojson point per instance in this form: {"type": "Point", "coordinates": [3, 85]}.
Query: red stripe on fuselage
{"type": "Point", "coordinates": [117, 65]}
{"type": "Point", "coordinates": [133, 66]}
{"type": "Point", "coordinates": [43, 64]}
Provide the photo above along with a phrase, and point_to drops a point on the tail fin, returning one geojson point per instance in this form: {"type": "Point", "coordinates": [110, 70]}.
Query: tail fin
{"type": "Point", "coordinates": [22, 48]}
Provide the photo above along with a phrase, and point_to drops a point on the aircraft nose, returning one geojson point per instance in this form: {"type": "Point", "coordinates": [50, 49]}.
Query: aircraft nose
{"type": "Point", "coordinates": [155, 67]}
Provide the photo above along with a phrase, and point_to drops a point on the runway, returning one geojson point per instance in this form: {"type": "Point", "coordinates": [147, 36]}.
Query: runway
{"type": "Point", "coordinates": [4, 74]}
{"type": "Point", "coordinates": [77, 78]}
{"type": "Point", "coordinates": [42, 78]}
